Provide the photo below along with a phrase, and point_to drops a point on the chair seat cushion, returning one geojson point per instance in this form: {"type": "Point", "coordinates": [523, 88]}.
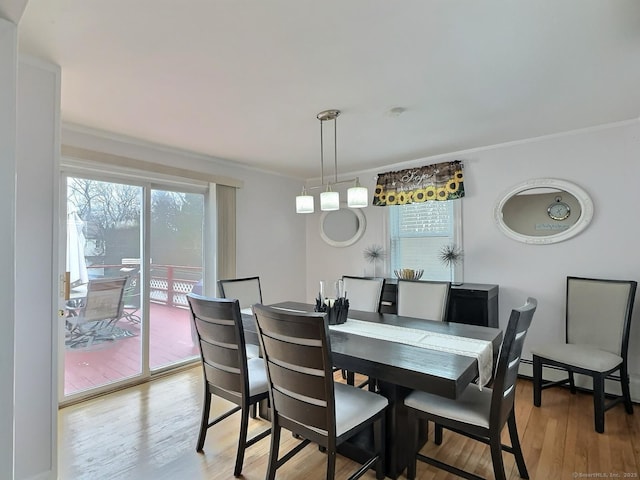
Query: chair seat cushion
{"type": "Point", "coordinates": [473, 406]}
{"type": "Point", "coordinates": [354, 406]}
{"type": "Point", "coordinates": [582, 356]}
{"type": "Point", "coordinates": [257, 376]}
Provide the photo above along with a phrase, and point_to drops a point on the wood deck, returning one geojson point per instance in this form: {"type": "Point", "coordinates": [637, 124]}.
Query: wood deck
{"type": "Point", "coordinates": [170, 341]}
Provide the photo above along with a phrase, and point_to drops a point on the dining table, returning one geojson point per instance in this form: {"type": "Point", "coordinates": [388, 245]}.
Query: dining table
{"type": "Point", "coordinates": [392, 351]}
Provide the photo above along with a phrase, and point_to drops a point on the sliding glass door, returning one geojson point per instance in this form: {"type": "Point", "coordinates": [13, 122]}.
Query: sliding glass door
{"type": "Point", "coordinates": [176, 269]}
{"type": "Point", "coordinates": [148, 242]}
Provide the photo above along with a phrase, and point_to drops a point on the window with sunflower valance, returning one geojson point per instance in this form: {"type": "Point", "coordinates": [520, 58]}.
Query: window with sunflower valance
{"type": "Point", "coordinates": [441, 181]}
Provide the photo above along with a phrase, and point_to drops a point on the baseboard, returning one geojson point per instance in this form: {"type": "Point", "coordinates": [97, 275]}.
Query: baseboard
{"type": "Point", "coordinates": [582, 382]}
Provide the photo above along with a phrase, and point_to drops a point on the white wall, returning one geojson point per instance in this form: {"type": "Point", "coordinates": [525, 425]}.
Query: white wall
{"type": "Point", "coordinates": [602, 161]}
{"type": "Point", "coordinates": [270, 236]}
{"type": "Point", "coordinates": [36, 227]}
{"type": "Point", "coordinates": [8, 68]}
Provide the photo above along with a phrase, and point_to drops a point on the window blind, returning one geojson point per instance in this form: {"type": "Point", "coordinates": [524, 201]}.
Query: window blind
{"type": "Point", "coordinates": [418, 233]}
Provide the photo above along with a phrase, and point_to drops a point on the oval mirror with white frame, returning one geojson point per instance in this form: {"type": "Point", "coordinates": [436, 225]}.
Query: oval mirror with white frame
{"type": "Point", "coordinates": [344, 227]}
{"type": "Point", "coordinates": [543, 210]}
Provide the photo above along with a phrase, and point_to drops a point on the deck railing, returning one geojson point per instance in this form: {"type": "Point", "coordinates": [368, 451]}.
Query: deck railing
{"type": "Point", "coordinates": [168, 285]}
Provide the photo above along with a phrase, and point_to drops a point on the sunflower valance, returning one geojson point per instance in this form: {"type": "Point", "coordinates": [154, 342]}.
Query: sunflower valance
{"type": "Point", "coordinates": [441, 181]}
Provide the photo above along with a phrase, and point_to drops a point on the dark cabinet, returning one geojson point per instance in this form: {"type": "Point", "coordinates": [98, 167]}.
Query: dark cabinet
{"type": "Point", "coordinates": [471, 303]}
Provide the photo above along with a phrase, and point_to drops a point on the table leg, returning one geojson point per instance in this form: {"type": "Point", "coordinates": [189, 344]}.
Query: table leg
{"type": "Point", "coordinates": [398, 429]}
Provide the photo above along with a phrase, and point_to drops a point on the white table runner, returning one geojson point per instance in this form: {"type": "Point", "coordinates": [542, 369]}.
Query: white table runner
{"type": "Point", "coordinates": [482, 350]}
{"type": "Point", "coordinates": [249, 310]}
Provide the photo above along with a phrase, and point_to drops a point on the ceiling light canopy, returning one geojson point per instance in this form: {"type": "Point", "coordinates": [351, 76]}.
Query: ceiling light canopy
{"type": "Point", "coordinates": [357, 196]}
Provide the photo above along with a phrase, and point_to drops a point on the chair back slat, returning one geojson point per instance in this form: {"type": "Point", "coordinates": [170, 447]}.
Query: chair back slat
{"type": "Point", "coordinates": [217, 331]}
{"type": "Point", "coordinates": [364, 293]}
{"type": "Point", "coordinates": [286, 352]}
{"type": "Point", "coordinates": [599, 312]}
{"type": "Point", "coordinates": [307, 382]}
{"type": "Point", "coordinates": [218, 324]}
{"type": "Point", "coordinates": [224, 379]}
{"type": "Point", "coordinates": [299, 368]}
{"type": "Point", "coordinates": [222, 355]}
{"type": "Point", "coordinates": [294, 326]}
{"type": "Point", "coordinates": [423, 299]}
{"type": "Point", "coordinates": [301, 411]}
{"type": "Point", "coordinates": [509, 359]}
{"type": "Point", "coordinates": [246, 290]}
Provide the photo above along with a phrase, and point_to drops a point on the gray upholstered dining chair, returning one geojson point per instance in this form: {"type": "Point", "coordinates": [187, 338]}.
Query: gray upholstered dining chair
{"type": "Point", "coordinates": [228, 373]}
{"type": "Point", "coordinates": [304, 398]}
{"type": "Point", "coordinates": [423, 299]}
{"type": "Point", "coordinates": [479, 414]}
{"type": "Point", "coordinates": [598, 320]}
{"type": "Point", "coordinates": [248, 292]}
{"type": "Point", "coordinates": [364, 293]}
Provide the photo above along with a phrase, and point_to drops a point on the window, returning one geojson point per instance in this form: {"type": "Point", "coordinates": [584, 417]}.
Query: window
{"type": "Point", "coordinates": [419, 231]}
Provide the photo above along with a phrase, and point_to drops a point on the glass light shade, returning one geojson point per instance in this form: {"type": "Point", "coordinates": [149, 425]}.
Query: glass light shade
{"type": "Point", "coordinates": [329, 201]}
{"type": "Point", "coordinates": [357, 197]}
{"type": "Point", "coordinates": [304, 204]}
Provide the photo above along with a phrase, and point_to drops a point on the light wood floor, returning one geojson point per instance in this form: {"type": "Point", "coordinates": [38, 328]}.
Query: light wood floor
{"type": "Point", "coordinates": [150, 431]}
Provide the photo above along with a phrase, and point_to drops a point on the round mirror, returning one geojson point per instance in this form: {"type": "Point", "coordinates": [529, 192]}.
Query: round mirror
{"type": "Point", "coordinates": [544, 210]}
{"type": "Point", "coordinates": [341, 228]}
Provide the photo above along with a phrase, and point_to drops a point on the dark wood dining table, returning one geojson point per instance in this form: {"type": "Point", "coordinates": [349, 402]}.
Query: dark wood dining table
{"type": "Point", "coordinates": [398, 369]}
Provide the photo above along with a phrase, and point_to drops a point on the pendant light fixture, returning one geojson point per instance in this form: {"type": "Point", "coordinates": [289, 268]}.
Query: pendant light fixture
{"type": "Point", "coordinates": [304, 202]}
{"type": "Point", "coordinates": [357, 196]}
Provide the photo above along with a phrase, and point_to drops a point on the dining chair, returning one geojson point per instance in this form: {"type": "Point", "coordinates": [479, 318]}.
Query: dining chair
{"type": "Point", "coordinates": [228, 373]}
{"type": "Point", "coordinates": [423, 299]}
{"type": "Point", "coordinates": [478, 414]}
{"type": "Point", "coordinates": [304, 398]}
{"type": "Point", "coordinates": [364, 293]}
{"type": "Point", "coordinates": [97, 313]}
{"type": "Point", "coordinates": [598, 320]}
{"type": "Point", "coordinates": [248, 292]}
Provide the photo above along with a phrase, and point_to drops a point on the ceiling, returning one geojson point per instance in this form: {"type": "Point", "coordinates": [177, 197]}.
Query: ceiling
{"type": "Point", "coordinates": [243, 80]}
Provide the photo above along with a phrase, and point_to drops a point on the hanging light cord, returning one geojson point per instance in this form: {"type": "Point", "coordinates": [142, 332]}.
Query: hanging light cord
{"type": "Point", "coordinates": [321, 155]}
{"type": "Point", "coordinates": [323, 117]}
{"type": "Point", "coordinates": [335, 148]}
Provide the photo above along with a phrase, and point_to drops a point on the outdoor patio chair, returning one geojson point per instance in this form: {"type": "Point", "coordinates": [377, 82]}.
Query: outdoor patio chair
{"type": "Point", "coordinates": [98, 313]}
{"type": "Point", "coordinates": [131, 267]}
{"type": "Point", "coordinates": [131, 298]}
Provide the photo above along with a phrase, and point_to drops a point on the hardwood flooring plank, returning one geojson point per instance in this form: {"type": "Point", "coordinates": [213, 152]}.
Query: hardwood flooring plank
{"type": "Point", "coordinates": [150, 431]}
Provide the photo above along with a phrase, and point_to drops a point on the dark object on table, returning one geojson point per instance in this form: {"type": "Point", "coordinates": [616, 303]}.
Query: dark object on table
{"type": "Point", "coordinates": [336, 309]}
